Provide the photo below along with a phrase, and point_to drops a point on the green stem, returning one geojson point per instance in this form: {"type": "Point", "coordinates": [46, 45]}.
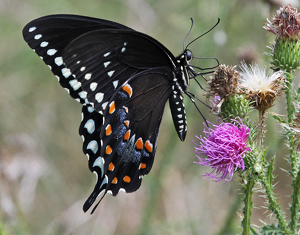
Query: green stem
{"type": "Point", "coordinates": [261, 127]}
{"type": "Point", "coordinates": [291, 112]}
{"type": "Point", "coordinates": [294, 159]}
{"type": "Point", "coordinates": [296, 204]}
{"type": "Point", "coordinates": [273, 205]}
{"type": "Point", "coordinates": [290, 96]}
{"type": "Point", "coordinates": [246, 222]}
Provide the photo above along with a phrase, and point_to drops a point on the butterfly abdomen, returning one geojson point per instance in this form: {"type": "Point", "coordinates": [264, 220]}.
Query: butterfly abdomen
{"type": "Point", "coordinates": [178, 113]}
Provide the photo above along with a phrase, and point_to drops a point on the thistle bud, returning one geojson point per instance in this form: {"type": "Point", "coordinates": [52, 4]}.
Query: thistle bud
{"type": "Point", "coordinates": [286, 48]}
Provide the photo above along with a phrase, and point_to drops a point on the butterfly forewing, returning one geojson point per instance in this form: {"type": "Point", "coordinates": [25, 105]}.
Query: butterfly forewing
{"type": "Point", "coordinates": [102, 60]}
{"type": "Point", "coordinates": [48, 36]}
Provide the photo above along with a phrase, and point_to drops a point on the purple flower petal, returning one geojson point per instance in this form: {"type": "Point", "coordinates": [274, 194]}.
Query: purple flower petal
{"type": "Point", "coordinates": [224, 148]}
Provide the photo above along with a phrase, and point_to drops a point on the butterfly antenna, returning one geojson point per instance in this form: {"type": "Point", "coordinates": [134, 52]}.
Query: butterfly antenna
{"type": "Point", "coordinates": [203, 34]}
{"type": "Point", "coordinates": [188, 33]}
{"type": "Point", "coordinates": [209, 58]}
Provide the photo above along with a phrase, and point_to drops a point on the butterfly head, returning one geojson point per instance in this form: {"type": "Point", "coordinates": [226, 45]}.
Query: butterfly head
{"type": "Point", "coordinates": [186, 72]}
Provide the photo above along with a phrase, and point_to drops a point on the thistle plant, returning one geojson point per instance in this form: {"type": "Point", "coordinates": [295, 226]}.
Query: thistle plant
{"type": "Point", "coordinates": [237, 144]}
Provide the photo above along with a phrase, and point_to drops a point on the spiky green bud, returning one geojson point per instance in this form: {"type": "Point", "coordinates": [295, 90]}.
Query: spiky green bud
{"type": "Point", "coordinates": [286, 54]}
{"type": "Point", "coordinates": [234, 106]}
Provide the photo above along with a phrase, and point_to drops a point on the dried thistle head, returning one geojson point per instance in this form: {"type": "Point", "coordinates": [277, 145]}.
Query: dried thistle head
{"type": "Point", "coordinates": [223, 82]}
{"type": "Point", "coordinates": [258, 86]}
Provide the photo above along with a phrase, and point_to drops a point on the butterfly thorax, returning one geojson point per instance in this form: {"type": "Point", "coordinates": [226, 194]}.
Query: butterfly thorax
{"type": "Point", "coordinates": [182, 68]}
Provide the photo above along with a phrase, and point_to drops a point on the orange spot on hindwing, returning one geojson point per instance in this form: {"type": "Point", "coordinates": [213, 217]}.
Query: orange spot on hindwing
{"type": "Point", "coordinates": [142, 166]}
{"type": "Point", "coordinates": [115, 180]}
{"type": "Point", "coordinates": [108, 130]}
{"type": "Point", "coordinates": [108, 149]}
{"type": "Point", "coordinates": [111, 166]}
{"type": "Point", "coordinates": [126, 122]}
{"type": "Point", "coordinates": [139, 144]}
{"type": "Point", "coordinates": [149, 146]}
{"type": "Point", "coordinates": [127, 135]}
{"type": "Point", "coordinates": [126, 179]}
{"type": "Point", "coordinates": [125, 108]}
{"type": "Point", "coordinates": [127, 88]}
{"type": "Point", "coordinates": [112, 107]}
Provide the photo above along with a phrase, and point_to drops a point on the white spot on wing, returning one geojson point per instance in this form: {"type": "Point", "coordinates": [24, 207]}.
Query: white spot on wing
{"type": "Point", "coordinates": [83, 94]}
{"type": "Point", "coordinates": [66, 72]}
{"type": "Point", "coordinates": [93, 86]}
{"type": "Point", "coordinates": [88, 76]}
{"type": "Point", "coordinates": [109, 192]}
{"type": "Point", "coordinates": [122, 190]}
{"type": "Point", "coordinates": [51, 52]}
{"type": "Point", "coordinates": [179, 115]}
{"type": "Point", "coordinates": [82, 69]}
{"type": "Point", "coordinates": [115, 83]}
{"type": "Point", "coordinates": [38, 36]}
{"type": "Point", "coordinates": [31, 29]}
{"type": "Point", "coordinates": [123, 49]}
{"type": "Point", "coordinates": [104, 106]}
{"type": "Point", "coordinates": [110, 73]}
{"type": "Point", "coordinates": [58, 61]}
{"type": "Point", "coordinates": [44, 44]}
{"type": "Point", "coordinates": [106, 54]}
{"type": "Point", "coordinates": [90, 109]}
{"type": "Point", "coordinates": [75, 84]}
{"type": "Point", "coordinates": [99, 162]}
{"type": "Point", "coordinates": [99, 96]}
{"type": "Point", "coordinates": [90, 126]}
{"type": "Point", "coordinates": [106, 63]}
{"type": "Point", "coordinates": [93, 145]}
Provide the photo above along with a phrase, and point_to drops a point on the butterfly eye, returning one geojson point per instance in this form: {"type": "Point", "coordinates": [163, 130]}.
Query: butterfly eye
{"type": "Point", "coordinates": [188, 55]}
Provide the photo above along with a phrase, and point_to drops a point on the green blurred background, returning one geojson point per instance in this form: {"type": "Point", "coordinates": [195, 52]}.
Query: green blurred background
{"type": "Point", "coordinates": [44, 178]}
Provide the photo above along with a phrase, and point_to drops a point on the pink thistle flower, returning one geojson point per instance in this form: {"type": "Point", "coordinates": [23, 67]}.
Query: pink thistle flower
{"type": "Point", "coordinates": [224, 147]}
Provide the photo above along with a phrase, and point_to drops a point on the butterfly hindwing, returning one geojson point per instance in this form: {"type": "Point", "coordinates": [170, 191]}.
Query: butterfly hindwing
{"type": "Point", "coordinates": [129, 132]}
{"type": "Point", "coordinates": [48, 36]}
{"type": "Point", "coordinates": [89, 130]}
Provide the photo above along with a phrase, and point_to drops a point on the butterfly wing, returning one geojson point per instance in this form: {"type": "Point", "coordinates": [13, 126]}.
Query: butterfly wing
{"type": "Point", "coordinates": [48, 36]}
{"type": "Point", "coordinates": [123, 78]}
{"type": "Point", "coordinates": [129, 133]}
{"type": "Point", "coordinates": [102, 60]}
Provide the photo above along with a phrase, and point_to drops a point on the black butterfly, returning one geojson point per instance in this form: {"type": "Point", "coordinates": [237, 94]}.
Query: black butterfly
{"type": "Point", "coordinates": [123, 78]}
